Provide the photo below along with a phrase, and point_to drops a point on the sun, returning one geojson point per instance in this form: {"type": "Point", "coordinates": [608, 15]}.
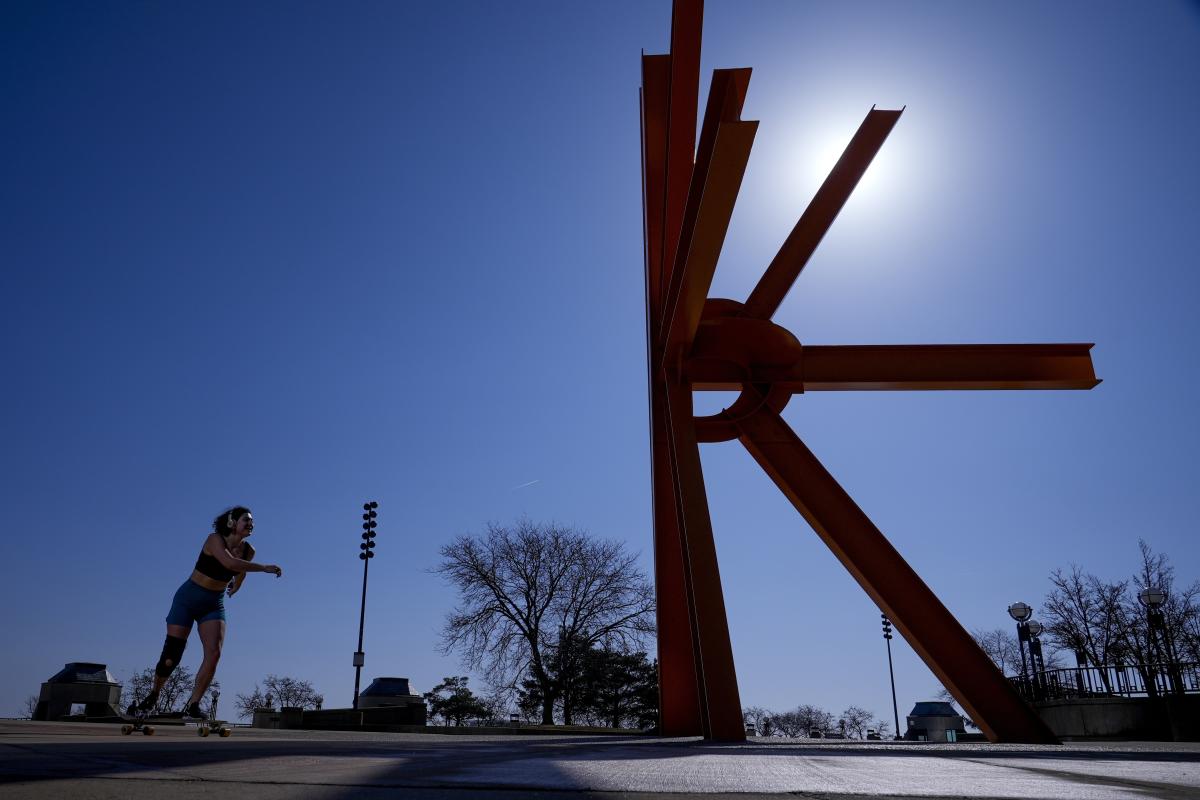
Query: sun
{"type": "Point", "coordinates": [828, 141]}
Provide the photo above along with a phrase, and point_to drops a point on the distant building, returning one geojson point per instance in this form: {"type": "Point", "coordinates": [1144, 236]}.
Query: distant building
{"type": "Point", "coordinates": [79, 683]}
{"type": "Point", "coordinates": [934, 721]}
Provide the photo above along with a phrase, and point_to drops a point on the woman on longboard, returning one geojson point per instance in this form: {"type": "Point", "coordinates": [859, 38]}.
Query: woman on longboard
{"type": "Point", "coordinates": [222, 566]}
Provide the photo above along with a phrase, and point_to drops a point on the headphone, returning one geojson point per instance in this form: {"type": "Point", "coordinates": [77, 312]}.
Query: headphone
{"type": "Point", "coordinates": [229, 520]}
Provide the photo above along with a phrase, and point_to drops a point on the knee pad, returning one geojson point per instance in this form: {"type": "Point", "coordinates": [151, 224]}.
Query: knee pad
{"type": "Point", "coordinates": [169, 660]}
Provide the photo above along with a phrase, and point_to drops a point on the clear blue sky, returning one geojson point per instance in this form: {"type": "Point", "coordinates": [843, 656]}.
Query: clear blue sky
{"type": "Point", "coordinates": [302, 255]}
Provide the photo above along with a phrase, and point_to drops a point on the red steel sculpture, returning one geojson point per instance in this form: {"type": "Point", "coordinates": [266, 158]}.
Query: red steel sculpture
{"type": "Point", "coordinates": [698, 343]}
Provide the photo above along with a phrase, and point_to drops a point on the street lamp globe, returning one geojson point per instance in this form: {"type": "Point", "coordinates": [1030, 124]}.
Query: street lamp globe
{"type": "Point", "coordinates": [1035, 628]}
{"type": "Point", "coordinates": [1020, 612]}
{"type": "Point", "coordinates": [1152, 597]}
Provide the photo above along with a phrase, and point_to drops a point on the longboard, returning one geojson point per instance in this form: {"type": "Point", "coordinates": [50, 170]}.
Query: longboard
{"type": "Point", "coordinates": [143, 723]}
{"type": "Point", "coordinates": [214, 726]}
{"type": "Point", "coordinates": [139, 722]}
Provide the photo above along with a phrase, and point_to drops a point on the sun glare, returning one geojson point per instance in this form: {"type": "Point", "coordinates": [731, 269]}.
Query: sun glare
{"type": "Point", "coordinates": [814, 165]}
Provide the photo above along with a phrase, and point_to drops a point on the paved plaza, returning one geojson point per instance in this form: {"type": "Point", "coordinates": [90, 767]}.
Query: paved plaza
{"type": "Point", "coordinates": [81, 760]}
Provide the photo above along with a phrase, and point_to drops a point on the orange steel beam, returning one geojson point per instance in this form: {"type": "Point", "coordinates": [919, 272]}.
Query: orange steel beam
{"type": "Point", "coordinates": [668, 105]}
{"type": "Point", "coordinates": [679, 712]}
{"type": "Point", "coordinates": [820, 214]}
{"type": "Point", "coordinates": [931, 630]}
{"type": "Point", "coordinates": [720, 701]}
{"type": "Point", "coordinates": [824, 368]}
{"type": "Point", "coordinates": [687, 18]}
{"type": "Point", "coordinates": [656, 79]}
{"type": "Point", "coordinates": [725, 144]}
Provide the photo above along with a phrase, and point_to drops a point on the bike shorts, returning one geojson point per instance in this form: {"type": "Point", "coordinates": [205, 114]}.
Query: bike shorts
{"type": "Point", "coordinates": [194, 603]}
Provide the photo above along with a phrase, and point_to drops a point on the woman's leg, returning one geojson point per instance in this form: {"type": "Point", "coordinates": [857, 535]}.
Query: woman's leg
{"type": "Point", "coordinates": [212, 636]}
{"type": "Point", "coordinates": [178, 632]}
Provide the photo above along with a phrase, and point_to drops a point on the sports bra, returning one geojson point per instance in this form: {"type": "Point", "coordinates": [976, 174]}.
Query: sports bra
{"type": "Point", "coordinates": [208, 565]}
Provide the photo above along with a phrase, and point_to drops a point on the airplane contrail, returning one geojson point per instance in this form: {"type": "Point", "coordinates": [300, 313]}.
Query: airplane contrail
{"type": "Point", "coordinates": [523, 485]}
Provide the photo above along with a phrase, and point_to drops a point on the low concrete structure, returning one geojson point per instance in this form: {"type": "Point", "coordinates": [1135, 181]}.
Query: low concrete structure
{"type": "Point", "coordinates": [79, 682]}
{"type": "Point", "coordinates": [1170, 718]}
{"type": "Point", "coordinates": [387, 704]}
{"type": "Point", "coordinates": [393, 718]}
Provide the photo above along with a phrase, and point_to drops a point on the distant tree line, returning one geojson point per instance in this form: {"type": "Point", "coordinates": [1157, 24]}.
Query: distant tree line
{"type": "Point", "coordinates": [614, 690]}
{"type": "Point", "coordinates": [599, 687]}
{"type": "Point", "coordinates": [284, 692]}
{"type": "Point", "coordinates": [274, 690]}
{"type": "Point", "coordinates": [807, 720]}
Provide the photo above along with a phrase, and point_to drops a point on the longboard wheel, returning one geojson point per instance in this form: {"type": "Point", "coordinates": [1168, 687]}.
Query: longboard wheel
{"type": "Point", "coordinates": [226, 732]}
{"type": "Point", "coordinates": [148, 730]}
{"type": "Point", "coordinates": [203, 731]}
{"type": "Point", "coordinates": [126, 730]}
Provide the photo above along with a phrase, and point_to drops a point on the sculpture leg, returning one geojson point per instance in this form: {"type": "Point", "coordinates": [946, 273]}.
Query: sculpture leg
{"type": "Point", "coordinates": [678, 684]}
{"type": "Point", "coordinates": [932, 631]}
{"type": "Point", "coordinates": [720, 702]}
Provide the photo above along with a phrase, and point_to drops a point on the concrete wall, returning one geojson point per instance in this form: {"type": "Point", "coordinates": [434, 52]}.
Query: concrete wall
{"type": "Point", "coordinates": [1138, 718]}
{"type": "Point", "coordinates": [410, 715]}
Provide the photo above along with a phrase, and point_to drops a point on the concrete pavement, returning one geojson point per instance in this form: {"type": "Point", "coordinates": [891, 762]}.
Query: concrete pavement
{"type": "Point", "coordinates": [82, 760]}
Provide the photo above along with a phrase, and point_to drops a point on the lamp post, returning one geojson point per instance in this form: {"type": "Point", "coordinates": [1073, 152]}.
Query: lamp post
{"type": "Point", "coordinates": [1021, 612]}
{"type": "Point", "coordinates": [1037, 665]}
{"type": "Point", "coordinates": [887, 636]}
{"type": "Point", "coordinates": [1117, 653]}
{"type": "Point", "coordinates": [1153, 598]}
{"type": "Point", "coordinates": [1035, 629]}
{"type": "Point", "coordinates": [367, 552]}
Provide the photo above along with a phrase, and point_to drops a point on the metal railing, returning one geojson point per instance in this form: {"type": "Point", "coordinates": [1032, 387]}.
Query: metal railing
{"type": "Point", "coordinates": [1112, 680]}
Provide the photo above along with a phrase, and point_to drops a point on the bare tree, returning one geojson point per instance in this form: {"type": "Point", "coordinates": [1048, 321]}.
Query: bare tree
{"type": "Point", "coordinates": [1001, 647]}
{"type": "Point", "coordinates": [1179, 614]}
{"type": "Point", "coordinates": [247, 704]}
{"type": "Point", "coordinates": [287, 691]}
{"type": "Point", "coordinates": [1105, 623]}
{"type": "Point", "coordinates": [534, 598]}
{"type": "Point", "coordinates": [787, 724]}
{"type": "Point", "coordinates": [857, 721]}
{"type": "Point", "coordinates": [1181, 610]}
{"type": "Point", "coordinates": [30, 705]}
{"type": "Point", "coordinates": [758, 717]}
{"type": "Point", "coordinates": [802, 721]}
{"type": "Point", "coordinates": [178, 687]}
{"type": "Point", "coordinates": [1084, 614]}
{"type": "Point", "coordinates": [291, 692]}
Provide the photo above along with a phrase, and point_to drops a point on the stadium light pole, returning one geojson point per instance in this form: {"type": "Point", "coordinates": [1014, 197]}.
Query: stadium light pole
{"type": "Point", "coordinates": [366, 553]}
{"type": "Point", "coordinates": [887, 635]}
